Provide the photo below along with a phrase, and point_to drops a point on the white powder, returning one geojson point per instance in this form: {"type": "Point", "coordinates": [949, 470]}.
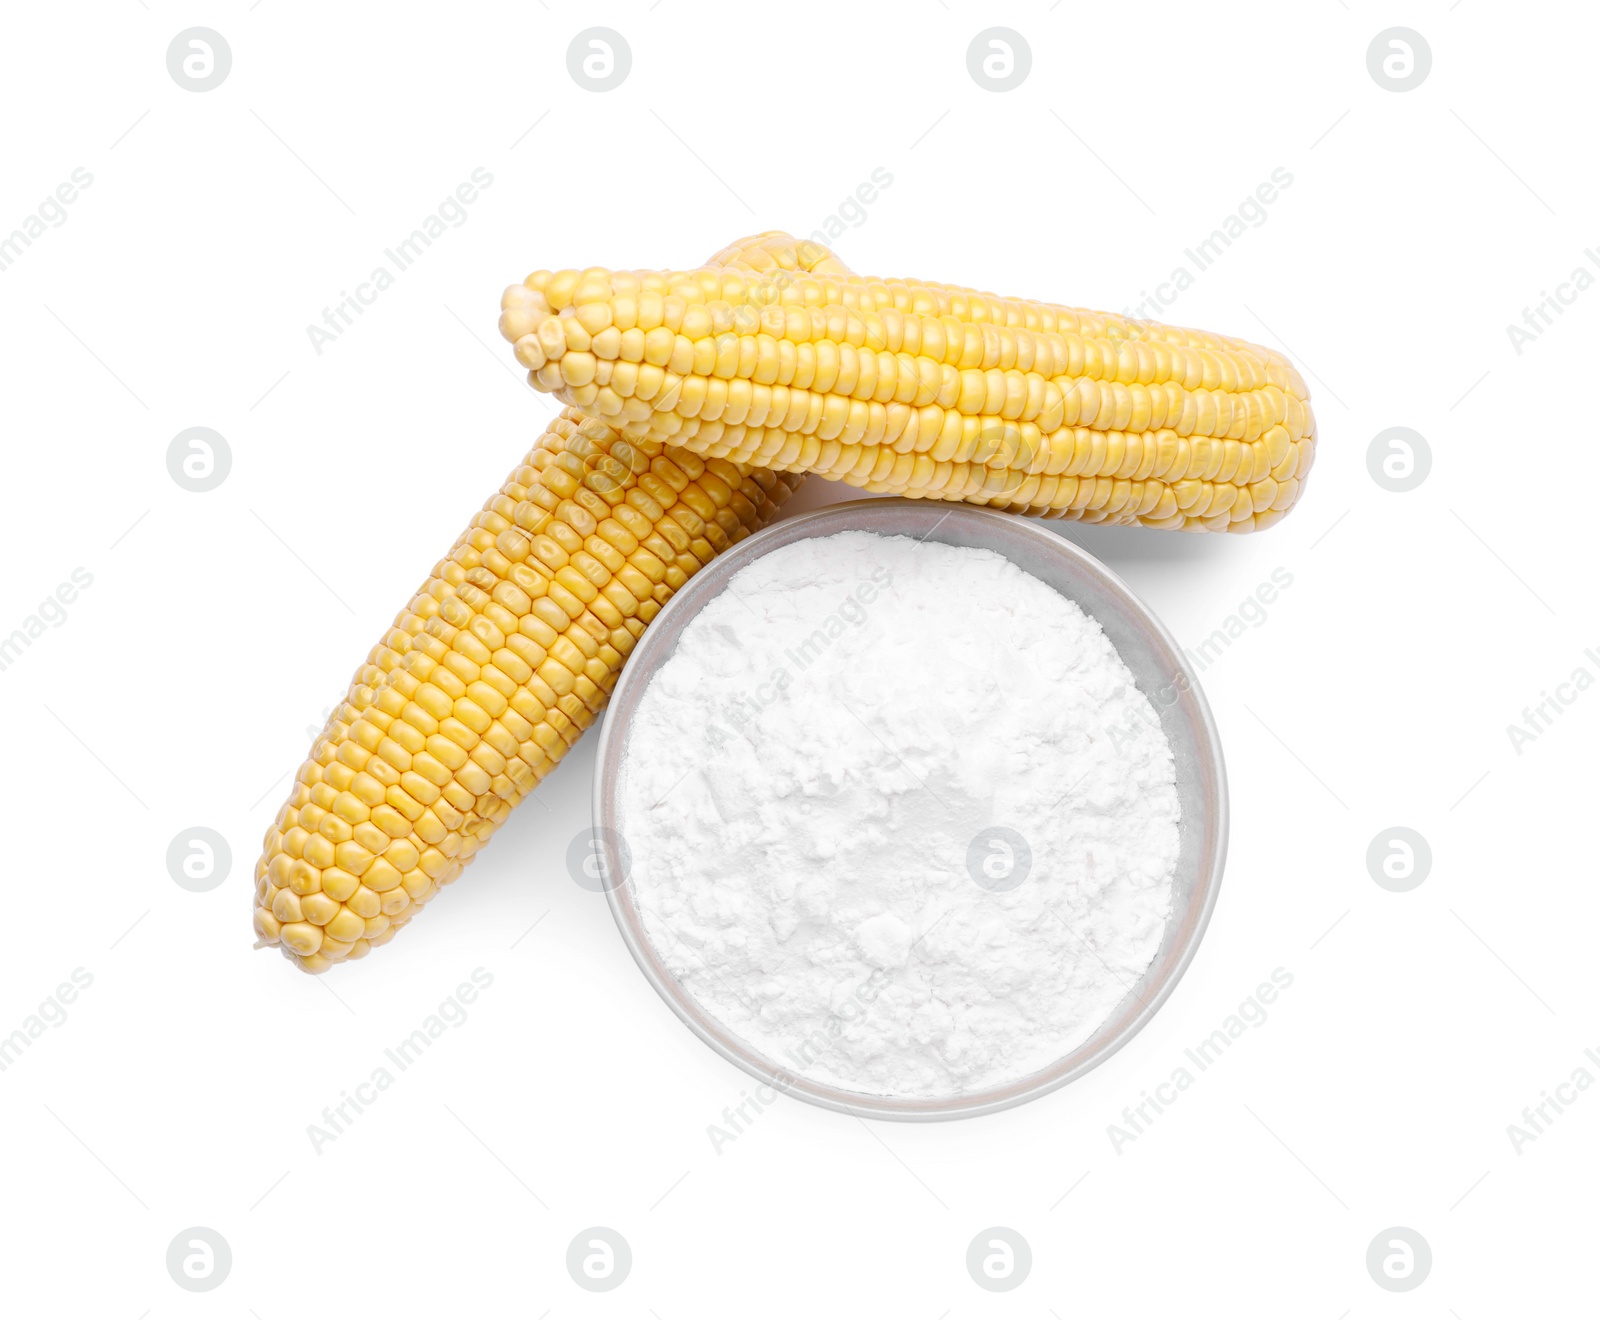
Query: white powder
{"type": "Point", "coordinates": [808, 773]}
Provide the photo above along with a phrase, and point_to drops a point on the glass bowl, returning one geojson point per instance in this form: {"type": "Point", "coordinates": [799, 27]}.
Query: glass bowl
{"type": "Point", "coordinates": [1157, 664]}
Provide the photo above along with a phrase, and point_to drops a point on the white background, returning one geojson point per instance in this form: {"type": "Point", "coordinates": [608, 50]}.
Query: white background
{"type": "Point", "coordinates": [220, 626]}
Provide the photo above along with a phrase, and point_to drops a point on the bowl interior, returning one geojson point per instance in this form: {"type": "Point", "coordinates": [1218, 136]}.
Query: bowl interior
{"type": "Point", "coordinates": [1162, 673]}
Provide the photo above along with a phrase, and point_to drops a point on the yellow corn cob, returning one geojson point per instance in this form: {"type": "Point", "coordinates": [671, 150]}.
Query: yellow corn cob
{"type": "Point", "coordinates": [925, 390]}
{"type": "Point", "coordinates": [500, 661]}
{"type": "Point", "coordinates": [494, 669]}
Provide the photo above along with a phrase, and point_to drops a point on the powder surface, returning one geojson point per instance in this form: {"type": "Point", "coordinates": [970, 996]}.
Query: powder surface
{"type": "Point", "coordinates": [899, 816]}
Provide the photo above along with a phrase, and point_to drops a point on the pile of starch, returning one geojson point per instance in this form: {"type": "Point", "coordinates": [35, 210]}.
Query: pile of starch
{"type": "Point", "coordinates": [899, 816]}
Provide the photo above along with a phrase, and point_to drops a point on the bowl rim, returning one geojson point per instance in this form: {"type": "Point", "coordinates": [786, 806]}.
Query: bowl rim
{"type": "Point", "coordinates": [611, 745]}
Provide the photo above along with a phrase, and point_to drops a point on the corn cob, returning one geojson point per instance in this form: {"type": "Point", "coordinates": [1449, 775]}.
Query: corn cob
{"type": "Point", "coordinates": [494, 669]}
{"type": "Point", "coordinates": [924, 390]}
